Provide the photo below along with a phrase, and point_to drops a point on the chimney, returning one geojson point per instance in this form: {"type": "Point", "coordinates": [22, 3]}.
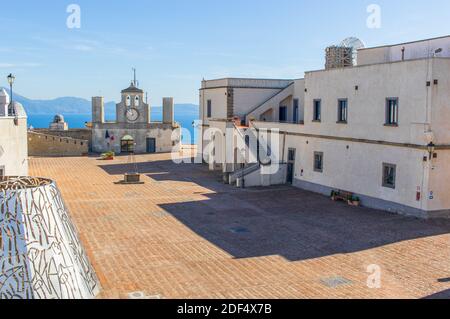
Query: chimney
{"type": "Point", "coordinates": [98, 110]}
{"type": "Point", "coordinates": [168, 110]}
{"type": "Point", "coordinates": [4, 102]}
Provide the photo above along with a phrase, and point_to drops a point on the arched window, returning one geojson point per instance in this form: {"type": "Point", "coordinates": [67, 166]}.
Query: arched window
{"type": "Point", "coordinates": [128, 101]}
{"type": "Point", "coordinates": [136, 100]}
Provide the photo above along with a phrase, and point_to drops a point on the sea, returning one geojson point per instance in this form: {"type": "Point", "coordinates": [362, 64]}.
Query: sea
{"type": "Point", "coordinates": [78, 121]}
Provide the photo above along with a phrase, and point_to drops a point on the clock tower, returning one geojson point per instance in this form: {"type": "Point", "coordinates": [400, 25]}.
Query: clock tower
{"type": "Point", "coordinates": [132, 131]}
{"type": "Point", "coordinates": [132, 109]}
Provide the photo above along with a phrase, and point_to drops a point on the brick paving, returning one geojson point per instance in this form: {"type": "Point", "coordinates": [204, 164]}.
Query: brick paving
{"type": "Point", "coordinates": [184, 234]}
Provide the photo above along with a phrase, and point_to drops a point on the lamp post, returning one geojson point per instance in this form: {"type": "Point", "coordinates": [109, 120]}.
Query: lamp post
{"type": "Point", "coordinates": [431, 148]}
{"type": "Point", "coordinates": [11, 78]}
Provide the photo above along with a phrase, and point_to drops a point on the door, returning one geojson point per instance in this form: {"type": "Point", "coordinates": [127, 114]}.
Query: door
{"type": "Point", "coordinates": [295, 112]}
{"type": "Point", "coordinates": [291, 166]}
{"type": "Point", "coordinates": [127, 144]}
{"type": "Point", "coordinates": [151, 145]}
{"type": "Point", "coordinates": [283, 114]}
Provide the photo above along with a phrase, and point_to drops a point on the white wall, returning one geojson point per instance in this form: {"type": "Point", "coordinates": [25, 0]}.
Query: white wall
{"type": "Point", "coordinates": [14, 146]}
{"type": "Point", "coordinates": [413, 50]}
{"type": "Point", "coordinates": [248, 94]}
{"type": "Point", "coordinates": [439, 178]}
{"type": "Point", "coordinates": [358, 169]}
{"type": "Point", "coordinates": [246, 100]}
{"type": "Point", "coordinates": [440, 100]}
{"type": "Point", "coordinates": [366, 106]}
{"type": "Point", "coordinates": [218, 99]}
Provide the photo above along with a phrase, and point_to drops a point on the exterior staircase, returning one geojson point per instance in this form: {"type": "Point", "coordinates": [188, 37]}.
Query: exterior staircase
{"type": "Point", "coordinates": [271, 102]}
{"type": "Point", "coordinates": [253, 173]}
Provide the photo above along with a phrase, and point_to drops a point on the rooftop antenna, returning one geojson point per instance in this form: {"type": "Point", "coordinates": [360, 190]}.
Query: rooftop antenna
{"type": "Point", "coordinates": [134, 73]}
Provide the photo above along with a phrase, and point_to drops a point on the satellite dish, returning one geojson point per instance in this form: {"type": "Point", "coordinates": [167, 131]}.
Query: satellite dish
{"type": "Point", "coordinates": [355, 44]}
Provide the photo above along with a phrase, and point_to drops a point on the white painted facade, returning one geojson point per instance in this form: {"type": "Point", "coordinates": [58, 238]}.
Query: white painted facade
{"type": "Point", "coordinates": [355, 151]}
{"type": "Point", "coordinates": [13, 139]}
{"type": "Point", "coordinates": [437, 47]}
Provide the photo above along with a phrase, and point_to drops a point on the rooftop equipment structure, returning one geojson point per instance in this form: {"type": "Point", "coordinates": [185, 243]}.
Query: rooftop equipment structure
{"type": "Point", "coordinates": [343, 55]}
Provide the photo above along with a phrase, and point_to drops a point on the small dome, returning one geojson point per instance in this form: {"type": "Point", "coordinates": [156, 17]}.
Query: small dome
{"type": "Point", "coordinates": [19, 110]}
{"type": "Point", "coordinates": [58, 118]}
{"type": "Point", "coordinates": [132, 89]}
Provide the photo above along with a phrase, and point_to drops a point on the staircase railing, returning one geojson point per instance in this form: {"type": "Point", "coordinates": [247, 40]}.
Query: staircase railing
{"type": "Point", "coordinates": [269, 99]}
{"type": "Point", "coordinates": [248, 167]}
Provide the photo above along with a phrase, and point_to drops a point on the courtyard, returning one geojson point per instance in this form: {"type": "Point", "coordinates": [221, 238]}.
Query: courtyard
{"type": "Point", "coordinates": [185, 234]}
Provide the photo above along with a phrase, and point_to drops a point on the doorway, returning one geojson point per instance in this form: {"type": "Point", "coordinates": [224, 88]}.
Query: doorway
{"type": "Point", "coordinates": [127, 144]}
{"type": "Point", "coordinates": [283, 114]}
{"type": "Point", "coordinates": [291, 166]}
{"type": "Point", "coordinates": [151, 145]}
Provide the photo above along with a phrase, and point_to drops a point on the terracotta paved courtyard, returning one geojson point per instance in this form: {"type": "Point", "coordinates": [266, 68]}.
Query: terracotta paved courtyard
{"type": "Point", "coordinates": [184, 234]}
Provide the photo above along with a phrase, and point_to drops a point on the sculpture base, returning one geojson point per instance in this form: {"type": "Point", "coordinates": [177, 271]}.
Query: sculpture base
{"type": "Point", "coordinates": [130, 179]}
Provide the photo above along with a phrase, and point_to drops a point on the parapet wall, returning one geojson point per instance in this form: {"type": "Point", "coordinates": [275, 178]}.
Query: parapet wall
{"type": "Point", "coordinates": [79, 134]}
{"type": "Point", "coordinates": [51, 145]}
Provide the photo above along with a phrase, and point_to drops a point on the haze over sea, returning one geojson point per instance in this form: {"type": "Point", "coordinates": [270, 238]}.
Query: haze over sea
{"type": "Point", "coordinates": [79, 120]}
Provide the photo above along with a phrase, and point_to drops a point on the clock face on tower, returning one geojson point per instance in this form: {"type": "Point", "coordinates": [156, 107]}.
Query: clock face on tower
{"type": "Point", "coordinates": [132, 115]}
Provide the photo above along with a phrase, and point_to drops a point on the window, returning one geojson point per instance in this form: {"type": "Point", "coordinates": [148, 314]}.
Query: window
{"type": "Point", "coordinates": [318, 162]}
{"type": "Point", "coordinates": [136, 100]}
{"type": "Point", "coordinates": [391, 111]}
{"type": "Point", "coordinates": [2, 171]}
{"type": "Point", "coordinates": [209, 109]}
{"type": "Point", "coordinates": [295, 115]}
{"type": "Point", "coordinates": [389, 175]}
{"type": "Point", "coordinates": [128, 100]}
{"type": "Point", "coordinates": [342, 110]}
{"type": "Point", "coordinates": [317, 116]}
{"type": "Point", "coordinates": [283, 114]}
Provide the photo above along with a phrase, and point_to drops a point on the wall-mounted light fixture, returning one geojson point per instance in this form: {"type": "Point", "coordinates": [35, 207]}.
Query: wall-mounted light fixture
{"type": "Point", "coordinates": [431, 148]}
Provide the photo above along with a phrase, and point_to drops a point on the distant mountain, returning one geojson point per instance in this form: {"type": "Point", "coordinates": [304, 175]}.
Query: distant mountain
{"type": "Point", "coordinates": [75, 105]}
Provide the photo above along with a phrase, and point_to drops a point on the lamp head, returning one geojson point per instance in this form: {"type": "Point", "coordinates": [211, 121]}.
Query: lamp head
{"type": "Point", "coordinates": [11, 79]}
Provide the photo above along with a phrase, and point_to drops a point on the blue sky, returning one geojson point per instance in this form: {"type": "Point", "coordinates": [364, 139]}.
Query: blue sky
{"type": "Point", "coordinates": [175, 43]}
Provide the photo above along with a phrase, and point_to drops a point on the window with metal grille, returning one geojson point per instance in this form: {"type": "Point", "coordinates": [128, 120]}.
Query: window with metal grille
{"type": "Point", "coordinates": [318, 162]}
{"type": "Point", "coordinates": [389, 175]}
{"type": "Point", "coordinates": [317, 116]}
{"type": "Point", "coordinates": [342, 110]}
{"type": "Point", "coordinates": [392, 111]}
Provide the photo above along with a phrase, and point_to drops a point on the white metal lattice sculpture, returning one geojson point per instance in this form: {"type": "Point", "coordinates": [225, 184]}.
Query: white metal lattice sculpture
{"type": "Point", "coordinates": [41, 256]}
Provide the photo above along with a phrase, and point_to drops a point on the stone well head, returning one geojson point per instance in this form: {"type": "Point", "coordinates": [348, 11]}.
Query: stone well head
{"type": "Point", "coordinates": [41, 256]}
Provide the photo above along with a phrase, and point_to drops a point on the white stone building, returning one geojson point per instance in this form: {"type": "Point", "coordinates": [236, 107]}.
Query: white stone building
{"type": "Point", "coordinates": [13, 138]}
{"type": "Point", "coordinates": [133, 129]}
{"type": "Point", "coordinates": [380, 130]}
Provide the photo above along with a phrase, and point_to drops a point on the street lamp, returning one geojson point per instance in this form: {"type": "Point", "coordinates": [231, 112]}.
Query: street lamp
{"type": "Point", "coordinates": [431, 148]}
{"type": "Point", "coordinates": [11, 110]}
